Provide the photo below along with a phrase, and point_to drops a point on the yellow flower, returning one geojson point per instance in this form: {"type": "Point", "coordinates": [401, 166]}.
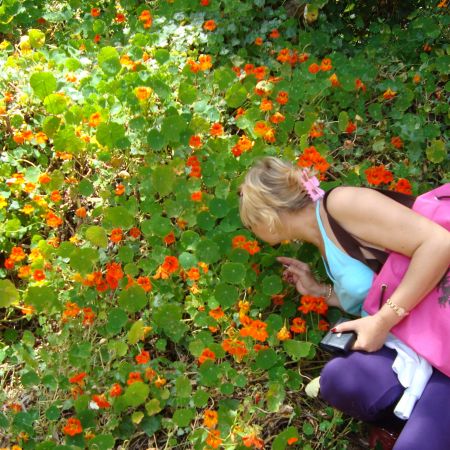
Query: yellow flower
{"type": "Point", "coordinates": [27, 209]}
{"type": "Point", "coordinates": [34, 254]}
{"type": "Point", "coordinates": [3, 203]}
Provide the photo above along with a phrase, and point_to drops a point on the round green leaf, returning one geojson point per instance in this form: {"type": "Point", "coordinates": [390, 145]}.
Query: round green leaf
{"type": "Point", "coordinates": [153, 407]}
{"type": "Point", "coordinates": [136, 394]}
{"type": "Point", "coordinates": [41, 297]}
{"type": "Point", "coordinates": [297, 349]}
{"type": "Point", "coordinates": [136, 332]}
{"type": "Point", "coordinates": [133, 299]}
{"type": "Point", "coordinates": [183, 417]}
{"type": "Point", "coordinates": [118, 216]}
{"type": "Point", "coordinates": [265, 359]}
{"type": "Point", "coordinates": [219, 207]}
{"type": "Point", "coordinates": [342, 120]}
{"type": "Point", "coordinates": [163, 179]}
{"type": "Point", "coordinates": [109, 134]}
{"type": "Point", "coordinates": [272, 285]}
{"type": "Point", "coordinates": [102, 442]}
{"type": "Point", "coordinates": [117, 318]}
{"type": "Point", "coordinates": [108, 60]}
{"type": "Point", "coordinates": [55, 104]}
{"type": "Point", "coordinates": [233, 273]}
{"type": "Point", "coordinates": [183, 387]}
{"type": "Point", "coordinates": [37, 38]}
{"type": "Point", "coordinates": [187, 93]}
{"type": "Point", "coordinates": [205, 220]}
{"type": "Point", "coordinates": [226, 294]}
{"type": "Point", "coordinates": [8, 293]}
{"type": "Point", "coordinates": [236, 95]}
{"type": "Point", "coordinates": [208, 251]}
{"type": "Point", "coordinates": [97, 236]}
{"type": "Point", "coordinates": [43, 84]}
{"type": "Point", "coordinates": [187, 260]}
{"type": "Point", "coordinates": [436, 151]}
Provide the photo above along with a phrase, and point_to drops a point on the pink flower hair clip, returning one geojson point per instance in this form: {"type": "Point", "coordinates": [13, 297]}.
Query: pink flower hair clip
{"type": "Point", "coordinates": [311, 185]}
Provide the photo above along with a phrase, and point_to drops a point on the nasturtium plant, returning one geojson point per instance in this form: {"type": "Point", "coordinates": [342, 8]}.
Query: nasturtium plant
{"type": "Point", "coordinates": [136, 309]}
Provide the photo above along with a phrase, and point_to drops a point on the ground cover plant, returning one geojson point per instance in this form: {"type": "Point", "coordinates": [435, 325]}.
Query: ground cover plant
{"type": "Point", "coordinates": [135, 310]}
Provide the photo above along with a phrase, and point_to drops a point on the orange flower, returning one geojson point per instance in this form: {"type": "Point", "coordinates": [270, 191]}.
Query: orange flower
{"type": "Point", "coordinates": [81, 212]}
{"type": "Point", "coordinates": [274, 34]}
{"type": "Point", "coordinates": [389, 94]}
{"type": "Point", "coordinates": [143, 92]}
{"type": "Point", "coordinates": [204, 2]}
{"type": "Point", "coordinates": [95, 119]}
{"type": "Point", "coordinates": [266, 105]}
{"type": "Point", "coordinates": [238, 241]}
{"type": "Point", "coordinates": [101, 401]}
{"type": "Point", "coordinates": [334, 80]}
{"type": "Point", "coordinates": [316, 130]}
{"type": "Point", "coordinates": [116, 235]}
{"type": "Point", "coordinates": [146, 18]}
{"type": "Point", "coordinates": [88, 316]}
{"type": "Point", "coordinates": [203, 266]}
{"type": "Point", "coordinates": [205, 62]}
{"type": "Point", "coordinates": [169, 238]}
{"type": "Point", "coordinates": [303, 57]}
{"type": "Point", "coordinates": [97, 38]}
{"type": "Point", "coordinates": [196, 196]}
{"type": "Point", "coordinates": [298, 325]}
{"type": "Point", "coordinates": [78, 378]}
{"type": "Point", "coordinates": [325, 65]}
{"type": "Point", "coordinates": [41, 137]}
{"type": "Point", "coordinates": [27, 309]}
{"type": "Point", "coordinates": [259, 72]}
{"type": "Point", "coordinates": [210, 418]}
{"type": "Point", "coordinates": [17, 254]}
{"type": "Point", "coordinates": [206, 355]}
{"type": "Point", "coordinates": [351, 127]}
{"type": "Point", "coordinates": [397, 142]}
{"type": "Point", "coordinates": [115, 390]}
{"type": "Point", "coordinates": [235, 347]}
{"type": "Point", "coordinates": [292, 440]}
{"type": "Point", "coordinates": [213, 439]}
{"type": "Point", "coordinates": [134, 377]}
{"type": "Point", "coordinates": [259, 41]}
{"type": "Point", "coordinates": [261, 128]}
{"type": "Point", "coordinates": [277, 118]}
{"type": "Point", "coordinates": [313, 304]}
{"type": "Point", "coordinates": [73, 427]}
{"type": "Point", "coordinates": [143, 357]}
{"type": "Point", "coordinates": [95, 12]}
{"type": "Point", "coordinates": [404, 186]}
{"type": "Point", "coordinates": [359, 85]}
{"type": "Point", "coordinates": [282, 97]}
{"type": "Point", "coordinates": [256, 329]}
{"type": "Point", "coordinates": [217, 313]}
{"type": "Point", "coordinates": [195, 141]}
{"type": "Point", "coordinates": [283, 334]}
{"type": "Point", "coordinates": [120, 18]}
{"type": "Point", "coordinates": [313, 68]}
{"type": "Point", "coordinates": [323, 325]}
{"type": "Point", "coordinates": [253, 441]}
{"type": "Point", "coordinates": [284, 55]}
{"type": "Point", "coordinates": [53, 220]}
{"type": "Point", "coordinates": [251, 247]}
{"type": "Point", "coordinates": [416, 78]}
{"type": "Point", "coordinates": [209, 25]}
{"type": "Point", "coordinates": [39, 275]}
{"type": "Point", "coordinates": [193, 274]}
{"type": "Point", "coordinates": [312, 158]}
{"type": "Point", "coordinates": [24, 272]}
{"type": "Point", "coordinates": [170, 264]}
{"type": "Point", "coordinates": [55, 196]}
{"type": "Point", "coordinates": [216, 129]}
{"type": "Point", "coordinates": [44, 178]}
{"type": "Point", "coordinates": [145, 283]}
{"type": "Point", "coordinates": [134, 232]}
{"type": "Point", "coordinates": [378, 174]}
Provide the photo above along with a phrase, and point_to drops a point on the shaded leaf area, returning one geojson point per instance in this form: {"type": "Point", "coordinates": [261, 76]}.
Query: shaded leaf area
{"type": "Point", "coordinates": [136, 311]}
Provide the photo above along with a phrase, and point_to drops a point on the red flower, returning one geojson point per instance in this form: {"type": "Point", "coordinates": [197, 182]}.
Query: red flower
{"type": "Point", "coordinates": [351, 127]}
{"type": "Point", "coordinates": [397, 142]}
{"type": "Point", "coordinates": [73, 427]}
{"type": "Point", "coordinates": [101, 401]}
{"type": "Point", "coordinates": [378, 174]}
{"type": "Point", "coordinates": [143, 357]}
{"type": "Point", "coordinates": [404, 186]}
{"type": "Point", "coordinates": [115, 390]}
{"type": "Point", "coordinates": [313, 68]}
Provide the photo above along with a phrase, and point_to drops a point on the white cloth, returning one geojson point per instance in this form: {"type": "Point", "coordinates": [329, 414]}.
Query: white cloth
{"type": "Point", "coordinates": [413, 373]}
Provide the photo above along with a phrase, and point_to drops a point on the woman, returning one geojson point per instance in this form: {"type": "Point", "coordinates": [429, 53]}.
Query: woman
{"type": "Point", "coordinates": [280, 202]}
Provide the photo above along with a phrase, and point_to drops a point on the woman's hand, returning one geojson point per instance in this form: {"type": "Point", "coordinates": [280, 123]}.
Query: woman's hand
{"type": "Point", "coordinates": [372, 332]}
{"type": "Point", "coordinates": [299, 274]}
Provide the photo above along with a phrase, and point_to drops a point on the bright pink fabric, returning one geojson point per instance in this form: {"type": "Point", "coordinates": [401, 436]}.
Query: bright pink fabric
{"type": "Point", "coordinates": [427, 328]}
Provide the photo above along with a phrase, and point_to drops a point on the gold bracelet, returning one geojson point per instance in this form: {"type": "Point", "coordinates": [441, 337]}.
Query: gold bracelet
{"type": "Point", "coordinates": [401, 312]}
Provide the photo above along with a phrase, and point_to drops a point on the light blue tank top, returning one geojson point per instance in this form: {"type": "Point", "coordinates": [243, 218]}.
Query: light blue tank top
{"type": "Point", "coordinates": [351, 278]}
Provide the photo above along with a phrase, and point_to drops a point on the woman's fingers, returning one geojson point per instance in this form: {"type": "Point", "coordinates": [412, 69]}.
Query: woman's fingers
{"type": "Point", "coordinates": [292, 262]}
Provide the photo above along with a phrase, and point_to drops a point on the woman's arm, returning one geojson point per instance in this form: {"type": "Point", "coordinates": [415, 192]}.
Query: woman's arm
{"type": "Point", "coordinates": [382, 222]}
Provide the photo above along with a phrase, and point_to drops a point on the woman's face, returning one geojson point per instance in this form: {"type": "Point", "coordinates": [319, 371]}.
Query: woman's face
{"type": "Point", "coordinates": [271, 237]}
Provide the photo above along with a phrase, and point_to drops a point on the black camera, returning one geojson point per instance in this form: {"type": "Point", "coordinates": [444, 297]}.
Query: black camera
{"type": "Point", "coordinates": [338, 342]}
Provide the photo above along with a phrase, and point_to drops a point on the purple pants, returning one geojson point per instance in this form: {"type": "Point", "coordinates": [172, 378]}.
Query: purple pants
{"type": "Point", "coordinates": [363, 385]}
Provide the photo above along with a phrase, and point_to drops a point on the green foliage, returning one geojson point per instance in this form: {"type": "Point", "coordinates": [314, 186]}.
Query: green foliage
{"type": "Point", "coordinates": [120, 233]}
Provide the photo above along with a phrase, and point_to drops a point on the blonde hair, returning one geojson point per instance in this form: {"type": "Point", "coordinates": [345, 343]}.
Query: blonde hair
{"type": "Point", "coordinates": [270, 187]}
